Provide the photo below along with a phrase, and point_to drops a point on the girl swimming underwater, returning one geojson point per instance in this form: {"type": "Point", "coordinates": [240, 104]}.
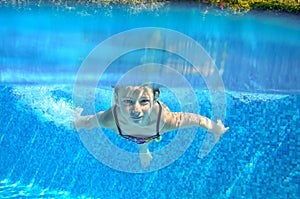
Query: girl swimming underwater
{"type": "Point", "coordinates": [139, 117]}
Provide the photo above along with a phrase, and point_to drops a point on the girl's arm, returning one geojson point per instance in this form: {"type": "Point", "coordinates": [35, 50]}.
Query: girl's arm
{"type": "Point", "coordinates": [176, 120]}
{"type": "Point", "coordinates": [145, 155]}
{"type": "Point", "coordinates": [101, 119]}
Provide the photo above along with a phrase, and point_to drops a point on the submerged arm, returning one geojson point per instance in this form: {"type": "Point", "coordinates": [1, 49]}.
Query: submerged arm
{"type": "Point", "coordinates": [100, 119]}
{"type": "Point", "coordinates": [145, 155]}
{"type": "Point", "coordinates": [176, 120]}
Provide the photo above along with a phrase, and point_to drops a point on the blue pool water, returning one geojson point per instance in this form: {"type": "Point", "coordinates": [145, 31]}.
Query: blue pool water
{"type": "Point", "coordinates": [257, 55]}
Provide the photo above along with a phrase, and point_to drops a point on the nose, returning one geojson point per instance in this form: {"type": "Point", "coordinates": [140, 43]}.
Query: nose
{"type": "Point", "coordinates": [136, 109]}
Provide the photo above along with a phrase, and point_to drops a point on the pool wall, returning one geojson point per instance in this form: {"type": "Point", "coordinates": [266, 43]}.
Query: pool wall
{"type": "Point", "coordinates": [255, 52]}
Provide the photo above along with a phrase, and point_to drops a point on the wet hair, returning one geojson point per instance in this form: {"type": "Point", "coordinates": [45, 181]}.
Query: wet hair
{"type": "Point", "coordinates": [156, 91]}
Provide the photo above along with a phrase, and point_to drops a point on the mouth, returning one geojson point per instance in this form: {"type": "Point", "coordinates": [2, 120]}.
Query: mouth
{"type": "Point", "coordinates": [136, 118]}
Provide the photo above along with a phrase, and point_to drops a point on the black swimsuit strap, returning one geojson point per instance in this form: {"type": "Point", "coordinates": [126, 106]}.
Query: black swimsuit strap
{"type": "Point", "coordinates": [116, 119]}
{"type": "Point", "coordinates": [157, 123]}
{"type": "Point", "coordinates": [158, 119]}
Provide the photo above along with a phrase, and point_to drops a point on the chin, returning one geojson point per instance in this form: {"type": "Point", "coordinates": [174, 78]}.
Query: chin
{"type": "Point", "coordinates": [138, 122]}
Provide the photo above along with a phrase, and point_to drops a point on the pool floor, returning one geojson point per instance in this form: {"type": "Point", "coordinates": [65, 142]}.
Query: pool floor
{"type": "Point", "coordinates": [42, 158]}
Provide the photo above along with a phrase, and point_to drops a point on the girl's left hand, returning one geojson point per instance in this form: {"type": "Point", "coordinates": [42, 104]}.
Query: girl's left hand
{"type": "Point", "coordinates": [218, 130]}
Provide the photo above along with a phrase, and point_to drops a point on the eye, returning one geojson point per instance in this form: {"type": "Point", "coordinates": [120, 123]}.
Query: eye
{"type": "Point", "coordinates": [144, 101]}
{"type": "Point", "coordinates": [127, 101]}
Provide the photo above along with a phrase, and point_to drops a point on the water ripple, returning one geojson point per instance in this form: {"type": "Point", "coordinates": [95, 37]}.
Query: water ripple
{"type": "Point", "coordinates": [18, 190]}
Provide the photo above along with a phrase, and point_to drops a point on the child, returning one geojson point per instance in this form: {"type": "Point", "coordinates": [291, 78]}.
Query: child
{"type": "Point", "coordinates": [138, 116]}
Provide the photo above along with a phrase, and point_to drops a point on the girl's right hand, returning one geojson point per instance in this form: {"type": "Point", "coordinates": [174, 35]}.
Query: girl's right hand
{"type": "Point", "coordinates": [76, 116]}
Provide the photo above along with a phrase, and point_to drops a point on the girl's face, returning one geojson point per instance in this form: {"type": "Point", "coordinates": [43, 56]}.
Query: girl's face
{"type": "Point", "coordinates": [136, 104]}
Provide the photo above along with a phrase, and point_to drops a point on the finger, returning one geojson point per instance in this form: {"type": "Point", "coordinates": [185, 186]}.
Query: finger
{"type": "Point", "coordinates": [217, 138]}
{"type": "Point", "coordinates": [220, 123]}
{"type": "Point", "coordinates": [78, 111]}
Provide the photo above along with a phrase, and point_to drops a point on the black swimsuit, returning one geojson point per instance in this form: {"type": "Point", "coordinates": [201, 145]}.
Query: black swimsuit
{"type": "Point", "coordinates": [137, 139]}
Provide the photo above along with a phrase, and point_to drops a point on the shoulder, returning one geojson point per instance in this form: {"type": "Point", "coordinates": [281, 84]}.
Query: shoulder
{"type": "Point", "coordinates": [164, 107]}
{"type": "Point", "coordinates": [167, 118]}
{"type": "Point", "coordinates": [165, 112]}
{"type": "Point", "coordinates": [106, 118]}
